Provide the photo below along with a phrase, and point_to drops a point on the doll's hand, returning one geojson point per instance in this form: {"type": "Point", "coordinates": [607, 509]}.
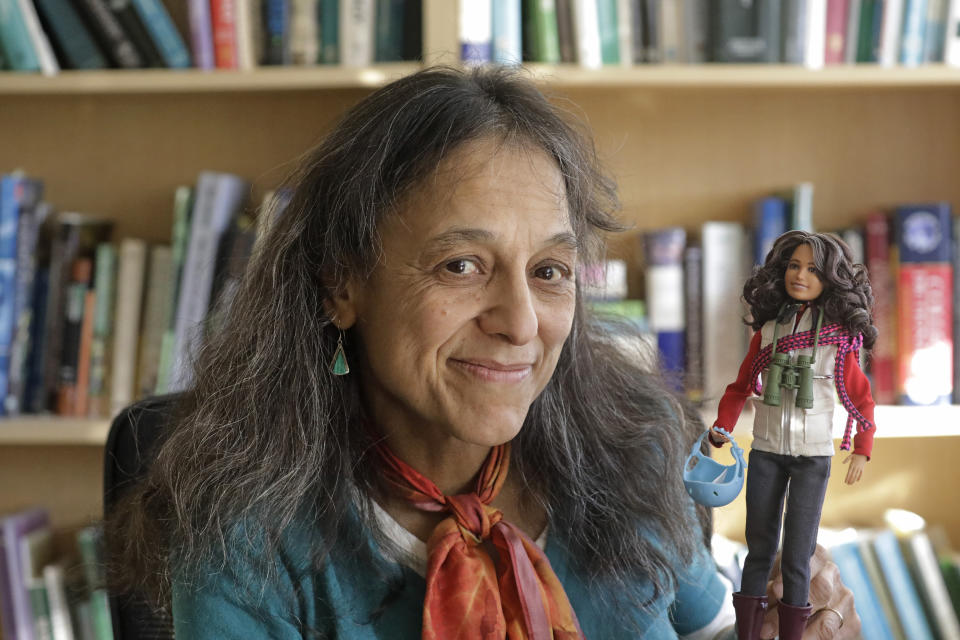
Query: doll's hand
{"type": "Point", "coordinates": [857, 463]}
{"type": "Point", "coordinates": [718, 437]}
{"type": "Point", "coordinates": [829, 598]}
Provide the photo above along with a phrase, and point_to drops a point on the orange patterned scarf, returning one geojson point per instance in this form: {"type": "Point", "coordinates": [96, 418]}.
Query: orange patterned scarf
{"type": "Point", "coordinates": [468, 598]}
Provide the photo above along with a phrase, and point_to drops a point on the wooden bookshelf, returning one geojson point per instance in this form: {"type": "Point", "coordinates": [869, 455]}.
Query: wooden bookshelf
{"type": "Point", "coordinates": [686, 143]}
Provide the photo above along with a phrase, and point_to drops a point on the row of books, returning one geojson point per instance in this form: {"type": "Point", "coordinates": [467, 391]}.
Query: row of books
{"type": "Point", "coordinates": [904, 575]}
{"type": "Point", "coordinates": [50, 35]}
{"type": "Point", "coordinates": [814, 33]}
{"type": "Point", "coordinates": [87, 326]}
{"type": "Point", "coordinates": [692, 305]}
{"type": "Point", "coordinates": [241, 34]}
{"type": "Point", "coordinates": [46, 597]}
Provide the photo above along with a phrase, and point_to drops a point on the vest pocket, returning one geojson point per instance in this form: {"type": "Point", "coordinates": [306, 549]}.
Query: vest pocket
{"type": "Point", "coordinates": [818, 426]}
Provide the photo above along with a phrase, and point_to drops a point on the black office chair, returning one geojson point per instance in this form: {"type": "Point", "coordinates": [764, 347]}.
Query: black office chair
{"type": "Point", "coordinates": [131, 445]}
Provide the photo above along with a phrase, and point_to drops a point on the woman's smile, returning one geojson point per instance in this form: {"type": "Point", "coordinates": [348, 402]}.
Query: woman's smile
{"type": "Point", "coordinates": [493, 371]}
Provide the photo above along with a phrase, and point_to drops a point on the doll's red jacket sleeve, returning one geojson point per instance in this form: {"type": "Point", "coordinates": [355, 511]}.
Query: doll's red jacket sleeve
{"type": "Point", "coordinates": [737, 392]}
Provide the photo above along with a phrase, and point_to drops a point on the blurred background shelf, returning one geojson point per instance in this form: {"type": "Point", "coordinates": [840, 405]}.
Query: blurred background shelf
{"type": "Point", "coordinates": [51, 430]}
{"type": "Point", "coordinates": [665, 76]}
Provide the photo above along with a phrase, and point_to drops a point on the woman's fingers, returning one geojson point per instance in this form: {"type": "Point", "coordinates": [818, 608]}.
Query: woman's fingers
{"type": "Point", "coordinates": [836, 621]}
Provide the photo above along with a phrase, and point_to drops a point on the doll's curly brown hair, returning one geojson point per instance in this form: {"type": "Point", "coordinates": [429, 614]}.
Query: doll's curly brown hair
{"type": "Point", "coordinates": [847, 297]}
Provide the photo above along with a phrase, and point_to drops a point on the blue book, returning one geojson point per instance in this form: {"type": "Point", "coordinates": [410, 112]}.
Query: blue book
{"type": "Point", "coordinates": [902, 590]}
{"type": "Point", "coordinates": [506, 32]}
{"type": "Point", "coordinates": [769, 223]}
{"type": "Point", "coordinates": [873, 620]}
{"type": "Point", "coordinates": [163, 32]}
{"type": "Point", "coordinates": [11, 192]}
{"type": "Point", "coordinates": [914, 28]}
{"type": "Point", "coordinates": [15, 45]}
{"type": "Point", "coordinates": [664, 250]}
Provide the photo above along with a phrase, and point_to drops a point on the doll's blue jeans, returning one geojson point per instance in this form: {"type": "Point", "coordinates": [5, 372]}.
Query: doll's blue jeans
{"type": "Point", "coordinates": [769, 476]}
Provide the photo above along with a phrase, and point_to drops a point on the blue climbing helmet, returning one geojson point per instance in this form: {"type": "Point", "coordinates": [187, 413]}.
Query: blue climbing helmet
{"type": "Point", "coordinates": [710, 483]}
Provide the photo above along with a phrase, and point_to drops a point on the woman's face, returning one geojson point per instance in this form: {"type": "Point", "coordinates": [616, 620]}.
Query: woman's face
{"type": "Point", "coordinates": [801, 279]}
{"type": "Point", "coordinates": [464, 318]}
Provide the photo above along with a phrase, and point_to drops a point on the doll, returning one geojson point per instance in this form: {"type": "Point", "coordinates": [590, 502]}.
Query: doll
{"type": "Point", "coordinates": [816, 303]}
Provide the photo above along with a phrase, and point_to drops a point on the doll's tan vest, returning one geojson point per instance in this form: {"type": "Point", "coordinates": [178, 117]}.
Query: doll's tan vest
{"type": "Point", "coordinates": [786, 429]}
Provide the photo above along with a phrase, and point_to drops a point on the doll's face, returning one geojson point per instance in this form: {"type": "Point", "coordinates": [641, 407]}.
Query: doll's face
{"type": "Point", "coordinates": [801, 280]}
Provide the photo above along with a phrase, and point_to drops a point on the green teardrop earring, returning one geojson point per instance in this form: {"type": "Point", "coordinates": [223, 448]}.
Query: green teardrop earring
{"type": "Point", "coordinates": [338, 365]}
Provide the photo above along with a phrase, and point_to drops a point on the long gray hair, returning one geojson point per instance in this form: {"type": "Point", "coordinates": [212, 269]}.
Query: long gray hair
{"type": "Point", "coordinates": [268, 435]}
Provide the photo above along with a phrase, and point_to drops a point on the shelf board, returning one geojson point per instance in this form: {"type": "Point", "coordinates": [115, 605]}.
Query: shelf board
{"type": "Point", "coordinates": [892, 422]}
{"type": "Point", "coordinates": [52, 430]}
{"type": "Point", "coordinates": [707, 76]}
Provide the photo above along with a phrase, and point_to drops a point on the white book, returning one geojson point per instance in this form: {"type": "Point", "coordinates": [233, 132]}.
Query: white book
{"type": "Point", "coordinates": [304, 41]}
{"type": "Point", "coordinates": [357, 21]}
{"type": "Point", "coordinates": [853, 32]}
{"type": "Point", "coordinates": [725, 269]}
{"type": "Point", "coordinates": [586, 27]}
{"type": "Point", "coordinates": [218, 198]}
{"type": "Point", "coordinates": [951, 45]}
{"type": "Point", "coordinates": [890, 33]}
{"type": "Point", "coordinates": [476, 31]}
{"type": "Point", "coordinates": [625, 32]}
{"type": "Point", "coordinates": [60, 622]}
{"type": "Point", "coordinates": [39, 40]}
{"type": "Point", "coordinates": [132, 262]}
{"type": "Point", "coordinates": [670, 31]}
{"type": "Point", "coordinates": [695, 17]}
{"type": "Point", "coordinates": [816, 34]}
{"type": "Point", "coordinates": [247, 23]}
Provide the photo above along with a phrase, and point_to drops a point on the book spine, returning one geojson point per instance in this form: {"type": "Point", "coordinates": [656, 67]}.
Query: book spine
{"type": "Point", "coordinates": [545, 32]}
{"type": "Point", "coordinates": [868, 8]}
{"type": "Point", "coordinates": [276, 32]}
{"type": "Point", "coordinates": [134, 29]}
{"type": "Point", "coordinates": [933, 35]}
{"type": "Point", "coordinates": [107, 30]}
{"type": "Point", "coordinates": [476, 31]}
{"type": "Point", "coordinates": [914, 26]}
{"type": "Point", "coordinates": [892, 11]}
{"type": "Point", "coordinates": [201, 33]}
{"type": "Point", "coordinates": [390, 16]}
{"type": "Point", "coordinates": [794, 32]}
{"type": "Point", "coordinates": [15, 42]}
{"type": "Point", "coordinates": [132, 263]}
{"type": "Point", "coordinates": [801, 213]}
{"type": "Point", "coordinates": [665, 295]}
{"type": "Point", "coordinates": [883, 358]}
{"type": "Point", "coordinates": [816, 34]}
{"type": "Point", "coordinates": [11, 193]}
{"type": "Point", "coordinates": [625, 31]}
{"type": "Point", "coordinates": [507, 38]}
{"type": "Point", "coordinates": [156, 314]}
{"type": "Point", "coordinates": [247, 18]}
{"type": "Point", "coordinates": [607, 21]}
{"type": "Point", "coordinates": [904, 594]}
{"type": "Point", "coordinates": [182, 206]}
{"type": "Point", "coordinates": [956, 315]}
{"type": "Point", "coordinates": [63, 24]}
{"type": "Point", "coordinates": [41, 44]}
{"type": "Point", "coordinates": [82, 403]}
{"type": "Point", "coordinates": [303, 31]}
{"type": "Point", "coordinates": [769, 223]}
{"type": "Point", "coordinates": [163, 32]}
{"type": "Point", "coordinates": [853, 32]}
{"type": "Point", "coordinates": [928, 577]}
{"type": "Point", "coordinates": [28, 231]}
{"type": "Point", "coordinates": [854, 574]}
{"type": "Point", "coordinates": [330, 31]}
{"type": "Point", "coordinates": [357, 27]}
{"type": "Point", "coordinates": [72, 327]}
{"type": "Point", "coordinates": [925, 310]}
{"type": "Point", "coordinates": [693, 315]}
{"type": "Point", "coordinates": [951, 44]}
{"type": "Point", "coordinates": [695, 15]}
{"type": "Point", "coordinates": [587, 30]}
{"type": "Point", "coordinates": [837, 16]}
{"type": "Point", "coordinates": [224, 20]}
{"type": "Point", "coordinates": [98, 404]}
{"type": "Point", "coordinates": [725, 267]}
{"type": "Point", "coordinates": [566, 38]}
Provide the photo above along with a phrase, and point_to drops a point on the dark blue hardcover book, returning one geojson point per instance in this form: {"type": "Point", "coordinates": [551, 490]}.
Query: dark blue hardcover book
{"type": "Point", "coordinates": [770, 221]}
{"type": "Point", "coordinates": [11, 193]}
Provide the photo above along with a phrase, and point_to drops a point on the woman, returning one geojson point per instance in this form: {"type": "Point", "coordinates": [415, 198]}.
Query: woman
{"type": "Point", "coordinates": [410, 330]}
{"type": "Point", "coordinates": [813, 301]}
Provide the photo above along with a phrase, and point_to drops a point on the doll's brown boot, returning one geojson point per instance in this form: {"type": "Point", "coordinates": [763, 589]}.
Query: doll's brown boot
{"type": "Point", "coordinates": [793, 620]}
{"type": "Point", "coordinates": [750, 610]}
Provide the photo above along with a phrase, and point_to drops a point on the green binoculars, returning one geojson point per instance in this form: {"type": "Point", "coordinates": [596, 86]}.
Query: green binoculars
{"type": "Point", "coordinates": [784, 374]}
